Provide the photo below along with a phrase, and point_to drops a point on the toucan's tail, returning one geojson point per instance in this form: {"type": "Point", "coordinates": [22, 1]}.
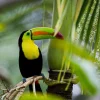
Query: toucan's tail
{"type": "Point", "coordinates": [37, 86]}
{"type": "Point", "coordinates": [30, 88]}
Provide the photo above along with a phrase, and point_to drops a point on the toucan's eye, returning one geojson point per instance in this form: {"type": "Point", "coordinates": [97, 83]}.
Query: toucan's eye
{"type": "Point", "coordinates": [28, 33]}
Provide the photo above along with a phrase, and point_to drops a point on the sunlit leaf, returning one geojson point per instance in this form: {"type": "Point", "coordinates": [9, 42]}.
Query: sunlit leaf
{"type": "Point", "coordinates": [87, 73]}
{"type": "Point", "coordinates": [27, 96]}
{"type": "Point", "coordinates": [66, 47]}
{"type": "Point", "coordinates": [81, 21]}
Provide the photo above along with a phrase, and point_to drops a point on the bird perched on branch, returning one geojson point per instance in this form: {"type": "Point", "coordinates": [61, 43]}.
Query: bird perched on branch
{"type": "Point", "coordinates": [30, 57]}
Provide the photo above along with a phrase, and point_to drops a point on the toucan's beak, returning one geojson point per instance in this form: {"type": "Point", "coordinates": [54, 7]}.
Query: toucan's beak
{"type": "Point", "coordinates": [44, 33]}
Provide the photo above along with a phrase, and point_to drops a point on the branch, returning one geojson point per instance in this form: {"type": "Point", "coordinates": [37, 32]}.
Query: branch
{"type": "Point", "coordinates": [17, 91]}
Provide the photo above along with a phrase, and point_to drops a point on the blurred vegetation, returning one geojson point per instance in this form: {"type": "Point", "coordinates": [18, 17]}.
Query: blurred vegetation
{"type": "Point", "coordinates": [78, 21]}
{"type": "Point", "coordinates": [14, 18]}
{"type": "Point", "coordinates": [27, 96]}
{"type": "Point", "coordinates": [80, 49]}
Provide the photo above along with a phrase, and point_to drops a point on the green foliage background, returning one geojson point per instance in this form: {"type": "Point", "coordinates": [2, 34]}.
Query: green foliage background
{"type": "Point", "coordinates": [80, 25]}
{"type": "Point", "coordinates": [16, 17]}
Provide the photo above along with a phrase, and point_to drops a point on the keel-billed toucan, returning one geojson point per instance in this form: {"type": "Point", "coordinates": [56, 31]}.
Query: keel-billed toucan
{"type": "Point", "coordinates": [30, 57]}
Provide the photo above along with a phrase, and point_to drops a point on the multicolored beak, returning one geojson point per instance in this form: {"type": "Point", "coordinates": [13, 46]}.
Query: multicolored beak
{"type": "Point", "coordinates": [44, 33]}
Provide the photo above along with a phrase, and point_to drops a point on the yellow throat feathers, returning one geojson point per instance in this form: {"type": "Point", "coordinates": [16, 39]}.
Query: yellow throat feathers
{"type": "Point", "coordinates": [30, 49]}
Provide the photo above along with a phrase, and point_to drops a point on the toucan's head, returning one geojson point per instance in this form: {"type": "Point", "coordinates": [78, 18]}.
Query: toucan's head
{"type": "Point", "coordinates": [39, 33]}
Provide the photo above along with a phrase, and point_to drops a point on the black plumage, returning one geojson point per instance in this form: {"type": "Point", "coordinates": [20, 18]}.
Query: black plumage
{"type": "Point", "coordinates": [28, 67]}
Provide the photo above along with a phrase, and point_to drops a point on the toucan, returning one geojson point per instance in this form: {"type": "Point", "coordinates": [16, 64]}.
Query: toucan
{"type": "Point", "coordinates": [30, 57]}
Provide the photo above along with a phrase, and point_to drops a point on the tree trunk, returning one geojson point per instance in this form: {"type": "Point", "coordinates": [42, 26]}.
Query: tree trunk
{"type": "Point", "coordinates": [59, 89]}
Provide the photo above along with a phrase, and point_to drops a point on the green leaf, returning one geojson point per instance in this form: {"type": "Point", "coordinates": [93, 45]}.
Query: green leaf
{"type": "Point", "coordinates": [87, 73]}
{"type": "Point", "coordinates": [63, 49]}
{"type": "Point", "coordinates": [87, 26]}
{"type": "Point", "coordinates": [96, 30]}
{"type": "Point", "coordinates": [28, 96]}
{"type": "Point", "coordinates": [81, 22]}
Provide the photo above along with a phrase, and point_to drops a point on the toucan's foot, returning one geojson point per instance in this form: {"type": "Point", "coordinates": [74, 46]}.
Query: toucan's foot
{"type": "Point", "coordinates": [24, 80]}
{"type": "Point", "coordinates": [42, 75]}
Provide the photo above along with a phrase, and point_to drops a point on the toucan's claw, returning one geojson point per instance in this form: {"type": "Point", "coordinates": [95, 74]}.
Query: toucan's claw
{"type": "Point", "coordinates": [42, 75]}
{"type": "Point", "coordinates": [24, 80]}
